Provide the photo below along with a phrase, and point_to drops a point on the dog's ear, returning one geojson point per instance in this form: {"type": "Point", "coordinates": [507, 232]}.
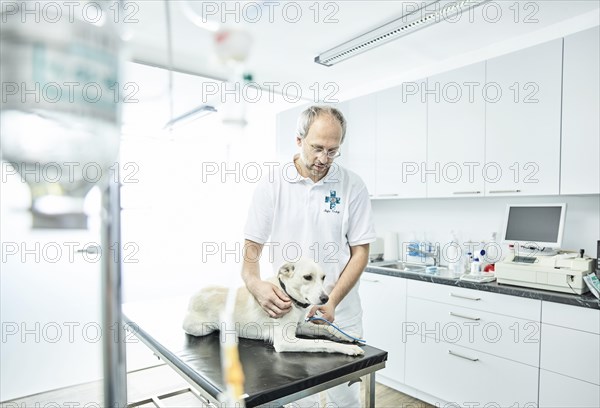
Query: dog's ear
{"type": "Point", "coordinates": [287, 269]}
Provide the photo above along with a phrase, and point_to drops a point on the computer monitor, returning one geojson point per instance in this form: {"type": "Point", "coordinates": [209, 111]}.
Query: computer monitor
{"type": "Point", "coordinates": [537, 227]}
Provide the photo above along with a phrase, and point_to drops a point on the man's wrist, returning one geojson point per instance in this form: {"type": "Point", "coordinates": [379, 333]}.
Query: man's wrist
{"type": "Point", "coordinates": [251, 282]}
{"type": "Point", "coordinates": [333, 300]}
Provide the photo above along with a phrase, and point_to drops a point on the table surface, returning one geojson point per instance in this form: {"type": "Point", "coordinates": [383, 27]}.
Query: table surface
{"type": "Point", "coordinates": [269, 375]}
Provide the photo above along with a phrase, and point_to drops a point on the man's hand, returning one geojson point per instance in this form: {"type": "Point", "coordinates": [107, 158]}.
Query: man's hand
{"type": "Point", "coordinates": [270, 298]}
{"type": "Point", "coordinates": [326, 311]}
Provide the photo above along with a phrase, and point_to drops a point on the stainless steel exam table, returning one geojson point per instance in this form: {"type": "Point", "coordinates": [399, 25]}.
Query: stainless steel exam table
{"type": "Point", "coordinates": [272, 379]}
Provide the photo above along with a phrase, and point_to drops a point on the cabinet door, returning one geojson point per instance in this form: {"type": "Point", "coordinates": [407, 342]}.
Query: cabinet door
{"type": "Point", "coordinates": [523, 101]}
{"type": "Point", "coordinates": [559, 391]}
{"type": "Point", "coordinates": [459, 376]}
{"type": "Point", "coordinates": [358, 150]}
{"type": "Point", "coordinates": [580, 169]}
{"type": "Point", "coordinates": [456, 133]}
{"type": "Point", "coordinates": [503, 336]}
{"type": "Point", "coordinates": [285, 139]}
{"type": "Point", "coordinates": [582, 360]}
{"type": "Point", "coordinates": [381, 297]}
{"type": "Point", "coordinates": [401, 141]}
{"type": "Point", "coordinates": [51, 309]}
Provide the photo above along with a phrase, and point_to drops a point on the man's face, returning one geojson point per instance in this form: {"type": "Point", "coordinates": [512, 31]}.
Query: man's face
{"type": "Point", "coordinates": [324, 137]}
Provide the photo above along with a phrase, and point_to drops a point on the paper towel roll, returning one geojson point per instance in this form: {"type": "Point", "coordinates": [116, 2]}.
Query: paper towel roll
{"type": "Point", "coordinates": [390, 246]}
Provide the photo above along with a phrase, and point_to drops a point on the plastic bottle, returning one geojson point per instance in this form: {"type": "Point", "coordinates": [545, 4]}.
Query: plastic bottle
{"type": "Point", "coordinates": [467, 262]}
{"type": "Point", "coordinates": [511, 253]}
{"type": "Point", "coordinates": [455, 256]}
{"type": "Point", "coordinates": [475, 266]}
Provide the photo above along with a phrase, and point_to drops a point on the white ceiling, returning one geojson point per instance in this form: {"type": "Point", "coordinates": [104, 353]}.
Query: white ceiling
{"type": "Point", "coordinates": [284, 52]}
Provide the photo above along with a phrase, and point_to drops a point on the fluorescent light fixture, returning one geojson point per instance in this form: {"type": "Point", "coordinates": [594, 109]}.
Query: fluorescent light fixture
{"type": "Point", "coordinates": [426, 16]}
{"type": "Point", "coordinates": [189, 116]}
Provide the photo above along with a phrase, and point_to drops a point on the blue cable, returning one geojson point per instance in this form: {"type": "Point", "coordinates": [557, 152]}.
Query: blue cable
{"type": "Point", "coordinates": [335, 327]}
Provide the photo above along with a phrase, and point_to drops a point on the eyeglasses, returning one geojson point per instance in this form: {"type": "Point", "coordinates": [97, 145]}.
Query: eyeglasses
{"type": "Point", "coordinates": [331, 154]}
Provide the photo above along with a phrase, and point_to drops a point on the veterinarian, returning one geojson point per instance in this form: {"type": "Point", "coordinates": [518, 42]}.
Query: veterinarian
{"type": "Point", "coordinates": [317, 209]}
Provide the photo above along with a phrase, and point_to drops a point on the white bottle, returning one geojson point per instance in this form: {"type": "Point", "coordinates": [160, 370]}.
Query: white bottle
{"type": "Point", "coordinates": [475, 266]}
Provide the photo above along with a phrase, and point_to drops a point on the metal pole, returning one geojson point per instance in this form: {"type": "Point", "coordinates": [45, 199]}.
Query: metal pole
{"type": "Point", "coordinates": [113, 339]}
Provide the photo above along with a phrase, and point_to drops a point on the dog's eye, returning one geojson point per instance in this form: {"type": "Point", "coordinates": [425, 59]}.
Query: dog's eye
{"type": "Point", "coordinates": [308, 277]}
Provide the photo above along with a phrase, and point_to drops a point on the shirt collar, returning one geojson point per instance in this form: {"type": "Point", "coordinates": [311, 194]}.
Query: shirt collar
{"type": "Point", "coordinates": [293, 176]}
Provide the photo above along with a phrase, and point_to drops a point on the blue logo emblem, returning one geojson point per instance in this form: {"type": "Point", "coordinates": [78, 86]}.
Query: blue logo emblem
{"type": "Point", "coordinates": [332, 199]}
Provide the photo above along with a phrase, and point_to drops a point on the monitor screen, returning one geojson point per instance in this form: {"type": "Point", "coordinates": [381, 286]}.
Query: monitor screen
{"type": "Point", "coordinates": [540, 224]}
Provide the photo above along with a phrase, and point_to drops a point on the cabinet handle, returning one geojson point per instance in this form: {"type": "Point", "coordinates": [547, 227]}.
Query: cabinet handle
{"type": "Point", "coordinates": [463, 297]}
{"type": "Point", "coordinates": [92, 249]}
{"type": "Point", "coordinates": [370, 280]}
{"type": "Point", "coordinates": [466, 192]}
{"type": "Point", "coordinates": [461, 356]}
{"type": "Point", "coordinates": [464, 317]}
{"type": "Point", "coordinates": [388, 195]}
{"type": "Point", "coordinates": [504, 191]}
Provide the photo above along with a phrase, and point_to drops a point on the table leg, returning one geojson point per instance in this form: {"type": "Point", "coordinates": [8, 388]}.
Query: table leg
{"type": "Point", "coordinates": [370, 390]}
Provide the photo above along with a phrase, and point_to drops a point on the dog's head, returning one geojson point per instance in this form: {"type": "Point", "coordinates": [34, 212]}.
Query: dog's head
{"type": "Point", "coordinates": [304, 281]}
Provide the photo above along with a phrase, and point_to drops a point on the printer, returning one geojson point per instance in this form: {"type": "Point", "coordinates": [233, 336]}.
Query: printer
{"type": "Point", "coordinates": [563, 272]}
{"type": "Point", "coordinates": [535, 231]}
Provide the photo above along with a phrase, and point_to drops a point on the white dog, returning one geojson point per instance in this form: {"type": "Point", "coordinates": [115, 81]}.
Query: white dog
{"type": "Point", "coordinates": [302, 281]}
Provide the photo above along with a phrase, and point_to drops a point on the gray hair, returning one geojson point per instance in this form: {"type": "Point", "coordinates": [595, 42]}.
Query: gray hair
{"type": "Point", "coordinates": [308, 116]}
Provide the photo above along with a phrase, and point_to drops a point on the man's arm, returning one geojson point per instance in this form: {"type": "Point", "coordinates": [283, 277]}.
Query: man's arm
{"type": "Point", "coordinates": [269, 296]}
{"type": "Point", "coordinates": [359, 257]}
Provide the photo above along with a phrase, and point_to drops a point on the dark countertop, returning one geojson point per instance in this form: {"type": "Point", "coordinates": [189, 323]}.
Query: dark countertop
{"type": "Point", "coordinates": [586, 300]}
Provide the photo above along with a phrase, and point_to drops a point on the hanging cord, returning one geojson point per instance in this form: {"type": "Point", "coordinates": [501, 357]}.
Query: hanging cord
{"type": "Point", "coordinates": [310, 319]}
{"type": "Point", "coordinates": [169, 59]}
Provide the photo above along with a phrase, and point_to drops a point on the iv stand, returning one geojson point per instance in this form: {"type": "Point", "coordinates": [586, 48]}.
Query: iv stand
{"type": "Point", "coordinates": [113, 338]}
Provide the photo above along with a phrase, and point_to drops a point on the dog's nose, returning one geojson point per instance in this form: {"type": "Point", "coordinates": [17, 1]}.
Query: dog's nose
{"type": "Point", "coordinates": [323, 298]}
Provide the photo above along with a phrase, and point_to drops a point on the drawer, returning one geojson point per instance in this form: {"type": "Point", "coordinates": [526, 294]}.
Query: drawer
{"type": "Point", "coordinates": [571, 352]}
{"type": "Point", "coordinates": [503, 336]}
{"type": "Point", "coordinates": [381, 296]}
{"type": "Point", "coordinates": [523, 308]}
{"type": "Point", "coordinates": [460, 375]}
{"type": "Point", "coordinates": [559, 391]}
{"type": "Point", "coordinates": [574, 317]}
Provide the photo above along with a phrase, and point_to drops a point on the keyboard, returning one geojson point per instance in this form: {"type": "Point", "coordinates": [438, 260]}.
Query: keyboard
{"type": "Point", "coordinates": [484, 278]}
{"type": "Point", "coordinates": [524, 259]}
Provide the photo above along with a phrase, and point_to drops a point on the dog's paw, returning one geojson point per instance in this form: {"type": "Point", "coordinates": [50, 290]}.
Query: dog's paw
{"type": "Point", "coordinates": [353, 350]}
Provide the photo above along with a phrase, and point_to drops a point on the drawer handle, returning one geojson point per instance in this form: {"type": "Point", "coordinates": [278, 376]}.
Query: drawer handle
{"type": "Point", "coordinates": [370, 280]}
{"type": "Point", "coordinates": [463, 297]}
{"type": "Point", "coordinates": [466, 192]}
{"type": "Point", "coordinates": [461, 356]}
{"type": "Point", "coordinates": [389, 195]}
{"type": "Point", "coordinates": [464, 317]}
{"type": "Point", "coordinates": [91, 249]}
{"type": "Point", "coordinates": [504, 191]}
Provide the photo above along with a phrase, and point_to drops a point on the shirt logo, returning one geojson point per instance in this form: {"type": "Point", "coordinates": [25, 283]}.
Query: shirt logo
{"type": "Point", "coordinates": [332, 199]}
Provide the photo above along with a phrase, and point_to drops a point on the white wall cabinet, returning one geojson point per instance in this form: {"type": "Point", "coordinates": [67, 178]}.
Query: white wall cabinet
{"type": "Point", "coordinates": [569, 357]}
{"type": "Point", "coordinates": [358, 150]}
{"type": "Point", "coordinates": [382, 297]}
{"type": "Point", "coordinates": [285, 139]}
{"type": "Point", "coordinates": [523, 113]}
{"type": "Point", "coordinates": [488, 129]}
{"type": "Point", "coordinates": [456, 133]}
{"type": "Point", "coordinates": [401, 142]}
{"type": "Point", "coordinates": [580, 145]}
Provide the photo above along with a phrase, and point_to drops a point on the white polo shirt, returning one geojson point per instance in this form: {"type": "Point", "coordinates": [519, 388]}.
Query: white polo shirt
{"type": "Point", "coordinates": [294, 216]}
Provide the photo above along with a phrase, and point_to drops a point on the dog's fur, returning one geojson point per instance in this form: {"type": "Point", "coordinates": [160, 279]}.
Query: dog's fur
{"type": "Point", "coordinates": [303, 281]}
